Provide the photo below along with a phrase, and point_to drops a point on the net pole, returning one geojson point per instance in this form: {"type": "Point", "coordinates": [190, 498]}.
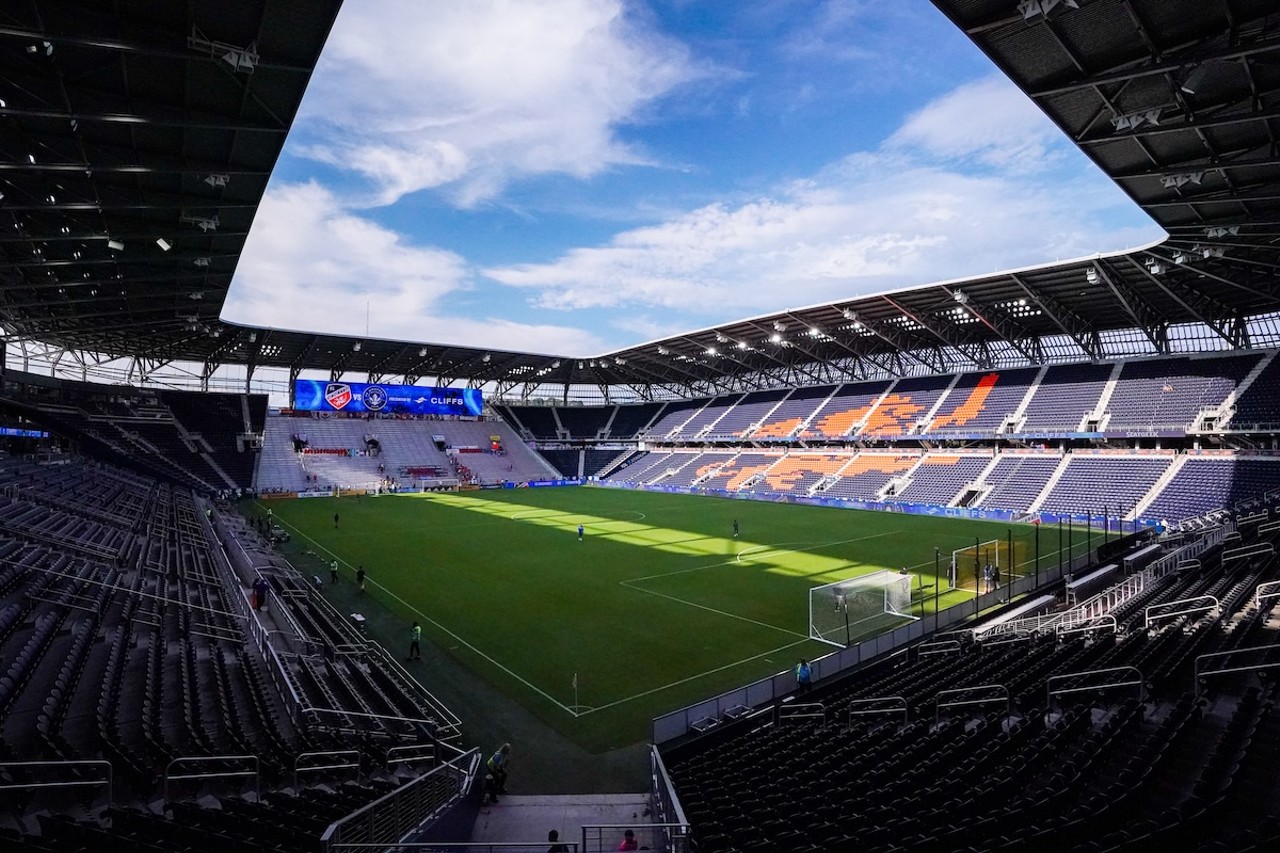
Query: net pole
{"type": "Point", "coordinates": [1037, 554]}
{"type": "Point", "coordinates": [937, 586]}
{"type": "Point", "coordinates": [1008, 572]}
{"type": "Point", "coordinates": [847, 637]}
{"type": "Point", "coordinates": [977, 566]}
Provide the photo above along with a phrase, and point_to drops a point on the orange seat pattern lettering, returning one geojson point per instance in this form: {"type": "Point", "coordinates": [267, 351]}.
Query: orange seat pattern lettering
{"type": "Point", "coordinates": [838, 423]}
{"type": "Point", "coordinates": [972, 406]}
{"type": "Point", "coordinates": [800, 468]}
{"type": "Point", "coordinates": [894, 414]}
{"type": "Point", "coordinates": [778, 429]}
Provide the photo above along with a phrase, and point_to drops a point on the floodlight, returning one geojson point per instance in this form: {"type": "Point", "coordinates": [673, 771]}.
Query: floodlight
{"type": "Point", "coordinates": [164, 244]}
{"type": "Point", "coordinates": [356, 346]}
{"type": "Point", "coordinates": [776, 338]}
{"type": "Point", "coordinates": [115, 245]}
{"type": "Point", "coordinates": [1092, 276]}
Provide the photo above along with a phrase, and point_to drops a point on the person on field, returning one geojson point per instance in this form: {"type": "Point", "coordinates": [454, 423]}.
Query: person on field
{"type": "Point", "coordinates": [360, 576]}
{"type": "Point", "coordinates": [415, 638]}
{"type": "Point", "coordinates": [735, 528]}
{"type": "Point", "coordinates": [580, 531]}
{"type": "Point", "coordinates": [497, 765]}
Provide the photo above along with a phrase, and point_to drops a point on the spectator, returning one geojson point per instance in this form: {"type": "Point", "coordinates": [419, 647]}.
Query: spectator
{"type": "Point", "coordinates": [556, 847]}
{"type": "Point", "coordinates": [804, 676]}
{"type": "Point", "coordinates": [360, 575]}
{"type": "Point", "coordinates": [629, 841]}
{"type": "Point", "coordinates": [333, 570]}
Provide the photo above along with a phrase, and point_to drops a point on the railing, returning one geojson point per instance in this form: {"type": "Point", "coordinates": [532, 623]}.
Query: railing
{"type": "Point", "coordinates": [226, 760]}
{"type": "Point", "coordinates": [666, 802]}
{"type": "Point", "coordinates": [1202, 672]}
{"type": "Point", "coordinates": [1183, 607]}
{"type": "Point", "coordinates": [878, 706]}
{"type": "Point", "coordinates": [390, 819]}
{"type": "Point", "coordinates": [335, 759]}
{"type": "Point", "coordinates": [997, 693]}
{"type": "Point", "coordinates": [75, 775]}
{"type": "Point", "coordinates": [659, 837]}
{"type": "Point", "coordinates": [1090, 681]}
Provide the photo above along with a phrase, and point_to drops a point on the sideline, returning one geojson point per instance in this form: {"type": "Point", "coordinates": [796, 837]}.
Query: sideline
{"type": "Point", "coordinates": [427, 618]}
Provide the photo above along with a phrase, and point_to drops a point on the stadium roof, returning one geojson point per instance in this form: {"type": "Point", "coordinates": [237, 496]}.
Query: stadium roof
{"type": "Point", "coordinates": [138, 142]}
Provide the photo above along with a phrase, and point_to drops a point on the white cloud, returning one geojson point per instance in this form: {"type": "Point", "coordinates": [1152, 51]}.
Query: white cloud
{"type": "Point", "coordinates": [987, 122]}
{"type": "Point", "coordinates": [414, 94]}
{"type": "Point", "coordinates": [911, 212]}
{"type": "Point", "coordinates": [310, 265]}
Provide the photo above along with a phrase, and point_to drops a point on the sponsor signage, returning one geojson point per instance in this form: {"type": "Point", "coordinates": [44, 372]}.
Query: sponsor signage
{"type": "Point", "coordinates": [316, 395]}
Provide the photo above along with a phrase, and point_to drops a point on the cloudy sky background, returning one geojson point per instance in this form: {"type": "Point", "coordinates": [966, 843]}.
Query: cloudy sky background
{"type": "Point", "coordinates": [575, 176]}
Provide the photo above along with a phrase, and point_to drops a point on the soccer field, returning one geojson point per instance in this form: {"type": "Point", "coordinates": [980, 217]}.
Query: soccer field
{"type": "Point", "coordinates": [657, 607]}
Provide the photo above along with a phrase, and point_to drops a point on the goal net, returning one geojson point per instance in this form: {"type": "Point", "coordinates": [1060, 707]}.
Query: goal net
{"type": "Point", "coordinates": [841, 611]}
{"type": "Point", "coordinates": [979, 568]}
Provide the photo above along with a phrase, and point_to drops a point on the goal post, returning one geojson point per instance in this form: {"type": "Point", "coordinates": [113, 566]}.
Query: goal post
{"type": "Point", "coordinates": [837, 609]}
{"type": "Point", "coordinates": [969, 565]}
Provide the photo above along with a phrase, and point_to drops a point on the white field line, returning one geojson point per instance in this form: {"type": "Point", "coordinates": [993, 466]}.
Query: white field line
{"type": "Point", "coordinates": [712, 610]}
{"type": "Point", "coordinates": [544, 694]}
{"type": "Point", "coordinates": [695, 677]}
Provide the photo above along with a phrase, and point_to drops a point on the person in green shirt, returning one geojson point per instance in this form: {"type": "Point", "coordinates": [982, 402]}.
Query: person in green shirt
{"type": "Point", "coordinates": [415, 637]}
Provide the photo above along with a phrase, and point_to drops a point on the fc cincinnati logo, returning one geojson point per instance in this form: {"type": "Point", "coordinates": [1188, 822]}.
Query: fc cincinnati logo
{"type": "Point", "coordinates": [337, 394]}
{"type": "Point", "coordinates": [374, 398]}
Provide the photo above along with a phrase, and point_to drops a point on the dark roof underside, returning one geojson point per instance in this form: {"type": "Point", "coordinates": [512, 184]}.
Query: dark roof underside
{"type": "Point", "coordinates": [133, 126]}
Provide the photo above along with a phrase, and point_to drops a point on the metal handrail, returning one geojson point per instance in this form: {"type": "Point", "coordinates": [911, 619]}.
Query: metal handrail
{"type": "Point", "coordinates": [1049, 692]}
{"type": "Point", "coordinates": [1148, 618]}
{"type": "Point", "coordinates": [1201, 676]}
{"type": "Point", "coordinates": [70, 766]}
{"type": "Point", "coordinates": [333, 753]}
{"type": "Point", "coordinates": [959, 691]}
{"type": "Point", "coordinates": [217, 774]}
{"type": "Point", "coordinates": [898, 706]}
{"type": "Point", "coordinates": [1272, 591]}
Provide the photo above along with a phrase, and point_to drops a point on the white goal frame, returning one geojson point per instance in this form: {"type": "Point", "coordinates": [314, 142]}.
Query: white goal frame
{"type": "Point", "coordinates": [829, 604]}
{"type": "Point", "coordinates": [962, 562]}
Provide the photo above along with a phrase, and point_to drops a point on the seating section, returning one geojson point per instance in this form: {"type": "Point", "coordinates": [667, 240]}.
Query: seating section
{"type": "Point", "coordinates": [909, 401]}
{"type": "Point", "coordinates": [1167, 393]}
{"type": "Point", "coordinates": [631, 419]}
{"type": "Point", "coordinates": [1208, 483]}
{"type": "Point", "coordinates": [794, 411]}
{"type": "Point", "coordinates": [844, 410]}
{"type": "Point", "coordinates": [123, 636]}
{"type": "Point", "coordinates": [584, 422]}
{"type": "Point", "coordinates": [1093, 770]}
{"type": "Point", "coordinates": [939, 478]}
{"type": "Point", "coordinates": [565, 461]}
{"type": "Point", "coordinates": [1091, 484]}
{"type": "Point", "coordinates": [1065, 394]}
{"type": "Point", "coordinates": [706, 420]}
{"type": "Point", "coordinates": [732, 475]}
{"type": "Point", "coordinates": [683, 468]}
{"type": "Point", "coordinates": [799, 473]}
{"type": "Point", "coordinates": [867, 474]}
{"type": "Point", "coordinates": [1256, 405]}
{"type": "Point", "coordinates": [750, 411]}
{"type": "Point", "coordinates": [218, 420]}
{"type": "Point", "coordinates": [674, 416]}
{"type": "Point", "coordinates": [981, 401]}
{"type": "Point", "coordinates": [1017, 480]}
{"type": "Point", "coordinates": [539, 421]}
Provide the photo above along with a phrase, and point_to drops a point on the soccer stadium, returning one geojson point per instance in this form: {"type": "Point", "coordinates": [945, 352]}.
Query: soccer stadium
{"type": "Point", "coordinates": [984, 564]}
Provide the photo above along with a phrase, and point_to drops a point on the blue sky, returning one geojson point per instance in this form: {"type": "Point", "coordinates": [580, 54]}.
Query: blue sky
{"type": "Point", "coordinates": [577, 176]}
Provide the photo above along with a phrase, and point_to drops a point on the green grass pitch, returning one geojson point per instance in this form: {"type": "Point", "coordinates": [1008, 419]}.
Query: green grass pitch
{"type": "Point", "coordinates": [657, 608]}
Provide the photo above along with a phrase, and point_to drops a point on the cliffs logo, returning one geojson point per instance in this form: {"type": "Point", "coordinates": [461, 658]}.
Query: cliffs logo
{"type": "Point", "coordinates": [374, 398]}
{"type": "Point", "coordinates": [337, 394]}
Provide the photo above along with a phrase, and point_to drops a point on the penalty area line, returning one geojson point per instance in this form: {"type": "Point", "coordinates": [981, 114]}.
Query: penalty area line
{"type": "Point", "coordinates": [544, 694]}
{"type": "Point", "coordinates": [712, 610]}
{"type": "Point", "coordinates": [694, 677]}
